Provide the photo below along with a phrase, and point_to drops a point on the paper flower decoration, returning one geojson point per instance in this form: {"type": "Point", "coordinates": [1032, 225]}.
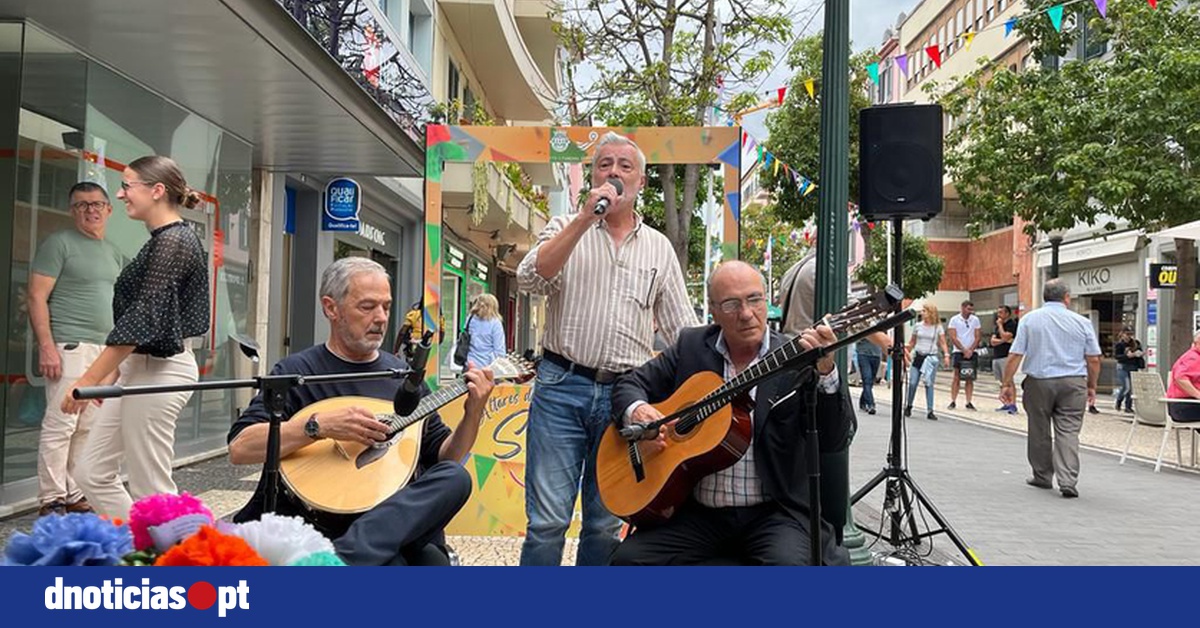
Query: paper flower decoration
{"type": "Point", "coordinates": [209, 548]}
{"type": "Point", "coordinates": [282, 540]}
{"type": "Point", "coordinates": [66, 540]}
{"type": "Point", "coordinates": [155, 511]}
{"type": "Point", "coordinates": [320, 559]}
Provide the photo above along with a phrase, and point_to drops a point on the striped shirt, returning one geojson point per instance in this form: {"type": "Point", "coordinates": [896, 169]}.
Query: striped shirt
{"type": "Point", "coordinates": [739, 485]}
{"type": "Point", "coordinates": [603, 303]}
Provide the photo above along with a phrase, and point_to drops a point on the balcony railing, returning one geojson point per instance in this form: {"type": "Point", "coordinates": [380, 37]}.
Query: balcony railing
{"type": "Point", "coordinates": [349, 31]}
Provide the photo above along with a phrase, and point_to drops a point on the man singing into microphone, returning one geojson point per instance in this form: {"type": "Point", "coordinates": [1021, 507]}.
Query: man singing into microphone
{"type": "Point", "coordinates": [608, 276]}
{"type": "Point", "coordinates": [406, 528]}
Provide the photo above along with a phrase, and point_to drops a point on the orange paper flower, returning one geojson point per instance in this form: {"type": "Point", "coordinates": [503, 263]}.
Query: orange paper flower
{"type": "Point", "coordinates": [209, 548]}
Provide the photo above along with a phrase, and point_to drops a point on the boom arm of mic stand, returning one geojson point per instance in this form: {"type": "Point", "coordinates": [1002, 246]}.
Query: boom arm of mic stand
{"type": "Point", "coordinates": [274, 389]}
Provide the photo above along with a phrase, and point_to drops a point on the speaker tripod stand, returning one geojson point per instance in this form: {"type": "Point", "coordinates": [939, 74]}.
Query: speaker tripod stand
{"type": "Point", "coordinates": [901, 492]}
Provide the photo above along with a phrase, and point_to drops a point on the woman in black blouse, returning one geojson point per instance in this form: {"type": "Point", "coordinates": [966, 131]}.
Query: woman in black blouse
{"type": "Point", "coordinates": [160, 300]}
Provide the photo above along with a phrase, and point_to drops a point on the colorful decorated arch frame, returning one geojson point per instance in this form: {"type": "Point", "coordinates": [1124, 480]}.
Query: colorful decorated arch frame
{"type": "Point", "coordinates": [549, 145]}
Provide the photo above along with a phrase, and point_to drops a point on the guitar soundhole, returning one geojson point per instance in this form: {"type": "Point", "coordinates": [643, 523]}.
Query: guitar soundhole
{"type": "Point", "coordinates": [685, 428]}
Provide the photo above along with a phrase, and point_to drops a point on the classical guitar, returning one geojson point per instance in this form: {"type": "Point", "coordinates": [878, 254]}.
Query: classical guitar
{"type": "Point", "coordinates": [712, 426]}
{"type": "Point", "coordinates": [344, 477]}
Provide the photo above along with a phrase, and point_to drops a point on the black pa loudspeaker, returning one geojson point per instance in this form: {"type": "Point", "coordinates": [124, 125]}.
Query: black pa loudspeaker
{"type": "Point", "coordinates": [900, 161]}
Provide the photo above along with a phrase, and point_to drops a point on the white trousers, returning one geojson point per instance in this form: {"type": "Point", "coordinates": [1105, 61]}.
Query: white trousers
{"type": "Point", "coordinates": [61, 441]}
{"type": "Point", "coordinates": [138, 430]}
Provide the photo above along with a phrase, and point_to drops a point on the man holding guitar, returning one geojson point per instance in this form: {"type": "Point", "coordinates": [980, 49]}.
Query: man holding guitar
{"type": "Point", "coordinates": [405, 528]}
{"type": "Point", "coordinates": [757, 510]}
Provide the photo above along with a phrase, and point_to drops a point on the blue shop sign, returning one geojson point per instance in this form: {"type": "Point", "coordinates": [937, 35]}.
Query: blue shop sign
{"type": "Point", "coordinates": [1152, 313]}
{"type": "Point", "coordinates": [343, 200]}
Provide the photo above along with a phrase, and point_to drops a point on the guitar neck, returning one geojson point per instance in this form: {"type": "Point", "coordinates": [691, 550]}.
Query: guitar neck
{"type": "Point", "coordinates": [428, 405]}
{"type": "Point", "coordinates": [790, 354]}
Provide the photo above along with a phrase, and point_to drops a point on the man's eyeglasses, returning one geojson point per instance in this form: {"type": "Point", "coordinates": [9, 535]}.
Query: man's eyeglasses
{"type": "Point", "coordinates": [92, 205]}
{"type": "Point", "coordinates": [733, 306]}
{"type": "Point", "coordinates": [125, 185]}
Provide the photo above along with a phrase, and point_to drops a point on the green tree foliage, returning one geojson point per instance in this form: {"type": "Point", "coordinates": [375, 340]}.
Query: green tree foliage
{"type": "Point", "coordinates": [1116, 137]}
{"type": "Point", "coordinates": [658, 62]}
{"type": "Point", "coordinates": [922, 270]}
{"type": "Point", "coordinates": [795, 129]}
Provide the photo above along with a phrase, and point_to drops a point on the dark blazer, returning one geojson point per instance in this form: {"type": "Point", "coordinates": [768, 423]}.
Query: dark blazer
{"type": "Point", "coordinates": [779, 440]}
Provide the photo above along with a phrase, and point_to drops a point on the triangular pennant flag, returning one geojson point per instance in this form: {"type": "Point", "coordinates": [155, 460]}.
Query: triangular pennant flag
{"type": "Point", "coordinates": [811, 186]}
{"type": "Point", "coordinates": [1153, 4]}
{"type": "Point", "coordinates": [902, 61]}
{"type": "Point", "coordinates": [873, 72]}
{"type": "Point", "coordinates": [935, 53]}
{"type": "Point", "coordinates": [1056, 13]}
{"type": "Point", "coordinates": [782, 91]}
{"type": "Point", "coordinates": [803, 186]}
{"type": "Point", "coordinates": [767, 159]}
{"type": "Point", "coordinates": [1102, 6]}
{"type": "Point", "coordinates": [970, 38]}
{"type": "Point", "coordinates": [775, 172]}
{"type": "Point", "coordinates": [1009, 25]}
{"type": "Point", "coordinates": [483, 468]}
{"type": "Point", "coordinates": [760, 153]}
{"type": "Point", "coordinates": [812, 92]}
{"type": "Point", "coordinates": [795, 178]}
{"type": "Point", "coordinates": [745, 138]}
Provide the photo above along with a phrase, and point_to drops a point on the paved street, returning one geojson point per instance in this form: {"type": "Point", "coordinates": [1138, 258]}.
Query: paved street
{"type": "Point", "coordinates": [972, 468]}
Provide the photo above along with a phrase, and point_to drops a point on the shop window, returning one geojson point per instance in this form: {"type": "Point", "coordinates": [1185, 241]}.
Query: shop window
{"type": "Point", "coordinates": [78, 121]}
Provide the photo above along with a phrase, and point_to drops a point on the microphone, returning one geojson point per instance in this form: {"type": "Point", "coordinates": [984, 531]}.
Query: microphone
{"type": "Point", "coordinates": [602, 204]}
{"type": "Point", "coordinates": [637, 431]}
{"type": "Point", "coordinates": [408, 396]}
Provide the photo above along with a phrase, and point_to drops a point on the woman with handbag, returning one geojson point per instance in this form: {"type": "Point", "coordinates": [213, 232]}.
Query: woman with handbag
{"type": "Point", "coordinates": [921, 355]}
{"type": "Point", "coordinates": [483, 335]}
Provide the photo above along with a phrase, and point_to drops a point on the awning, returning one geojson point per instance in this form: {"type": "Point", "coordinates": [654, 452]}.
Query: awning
{"type": "Point", "coordinates": [1189, 231]}
{"type": "Point", "coordinates": [1093, 248]}
{"type": "Point", "coordinates": [248, 66]}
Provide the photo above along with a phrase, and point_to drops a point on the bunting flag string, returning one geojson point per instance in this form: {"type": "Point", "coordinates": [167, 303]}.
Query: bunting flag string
{"type": "Point", "coordinates": [936, 54]}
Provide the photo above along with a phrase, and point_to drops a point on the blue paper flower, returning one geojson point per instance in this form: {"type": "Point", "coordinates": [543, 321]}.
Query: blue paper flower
{"type": "Point", "coordinates": [72, 539]}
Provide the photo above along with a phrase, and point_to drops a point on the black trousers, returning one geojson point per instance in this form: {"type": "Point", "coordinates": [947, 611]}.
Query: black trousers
{"type": "Point", "coordinates": [697, 535]}
{"type": "Point", "coordinates": [1184, 412]}
{"type": "Point", "coordinates": [406, 529]}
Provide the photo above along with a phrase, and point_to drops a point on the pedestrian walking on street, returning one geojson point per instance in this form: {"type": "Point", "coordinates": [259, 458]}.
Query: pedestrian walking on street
{"type": "Point", "coordinates": [1062, 365]}
{"type": "Point", "coordinates": [921, 356]}
{"type": "Point", "coordinates": [869, 356]}
{"type": "Point", "coordinates": [1128, 352]}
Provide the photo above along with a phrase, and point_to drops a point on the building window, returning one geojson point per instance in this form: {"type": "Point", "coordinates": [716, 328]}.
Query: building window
{"type": "Point", "coordinates": [452, 82]}
{"type": "Point", "coordinates": [991, 12]}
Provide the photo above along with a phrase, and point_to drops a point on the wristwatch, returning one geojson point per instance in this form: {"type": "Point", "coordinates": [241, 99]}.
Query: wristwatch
{"type": "Point", "coordinates": [312, 429]}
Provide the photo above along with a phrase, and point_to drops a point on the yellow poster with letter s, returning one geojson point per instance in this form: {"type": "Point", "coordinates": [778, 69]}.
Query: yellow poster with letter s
{"type": "Point", "coordinates": [497, 466]}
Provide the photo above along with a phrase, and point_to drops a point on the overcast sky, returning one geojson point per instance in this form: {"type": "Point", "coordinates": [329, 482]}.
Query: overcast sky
{"type": "Point", "coordinates": [868, 19]}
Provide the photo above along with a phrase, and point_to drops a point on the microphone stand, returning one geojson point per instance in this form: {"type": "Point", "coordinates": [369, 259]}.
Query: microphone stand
{"type": "Point", "coordinates": [274, 389]}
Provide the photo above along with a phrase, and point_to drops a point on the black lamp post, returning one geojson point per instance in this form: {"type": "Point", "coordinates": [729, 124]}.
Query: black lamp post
{"type": "Point", "coordinates": [1056, 237]}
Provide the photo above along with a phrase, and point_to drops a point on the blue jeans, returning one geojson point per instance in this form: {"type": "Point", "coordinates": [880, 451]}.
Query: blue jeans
{"type": "Point", "coordinates": [1125, 388]}
{"type": "Point", "coordinates": [567, 416]}
{"type": "Point", "coordinates": [868, 367]}
{"type": "Point", "coordinates": [926, 373]}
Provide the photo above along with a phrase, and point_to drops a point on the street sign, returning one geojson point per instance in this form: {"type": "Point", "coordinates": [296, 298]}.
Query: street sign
{"type": "Point", "coordinates": [343, 200]}
{"type": "Point", "coordinates": [1163, 276]}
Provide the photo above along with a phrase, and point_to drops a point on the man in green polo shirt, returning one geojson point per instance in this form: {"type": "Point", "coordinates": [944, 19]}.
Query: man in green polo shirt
{"type": "Point", "coordinates": [70, 310]}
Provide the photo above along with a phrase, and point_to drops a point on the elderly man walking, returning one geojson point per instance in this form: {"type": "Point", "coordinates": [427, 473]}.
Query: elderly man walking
{"type": "Point", "coordinates": [1062, 364]}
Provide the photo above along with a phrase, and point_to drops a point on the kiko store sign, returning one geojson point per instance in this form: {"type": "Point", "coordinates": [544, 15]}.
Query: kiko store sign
{"type": "Point", "coordinates": [1111, 278]}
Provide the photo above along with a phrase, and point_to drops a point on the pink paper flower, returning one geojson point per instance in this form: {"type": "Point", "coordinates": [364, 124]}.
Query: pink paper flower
{"type": "Point", "coordinates": [155, 510]}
